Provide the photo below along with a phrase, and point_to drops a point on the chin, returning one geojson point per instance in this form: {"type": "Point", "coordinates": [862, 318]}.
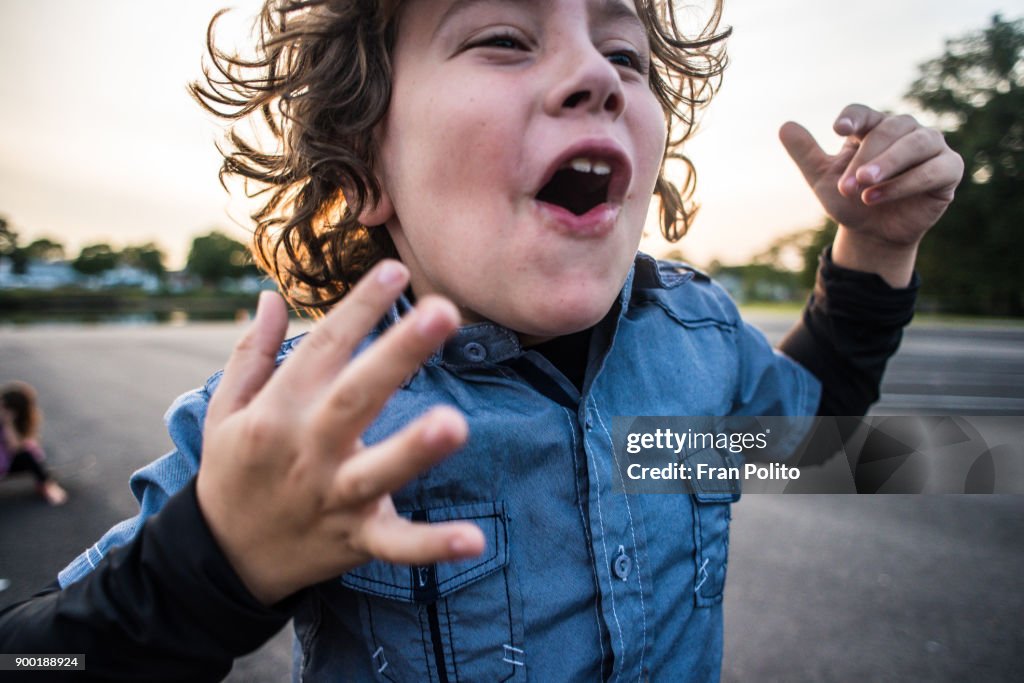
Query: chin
{"type": "Point", "coordinates": [556, 316]}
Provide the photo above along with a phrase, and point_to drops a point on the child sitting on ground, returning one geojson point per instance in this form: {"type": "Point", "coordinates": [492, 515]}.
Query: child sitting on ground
{"type": "Point", "coordinates": [425, 483]}
{"type": "Point", "coordinates": [20, 451]}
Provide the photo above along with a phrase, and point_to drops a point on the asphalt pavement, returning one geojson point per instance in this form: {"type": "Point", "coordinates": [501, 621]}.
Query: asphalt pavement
{"type": "Point", "coordinates": [821, 588]}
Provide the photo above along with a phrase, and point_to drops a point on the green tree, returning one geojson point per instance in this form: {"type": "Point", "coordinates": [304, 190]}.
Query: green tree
{"type": "Point", "coordinates": [814, 243]}
{"type": "Point", "coordinates": [8, 238]}
{"type": "Point", "coordinates": [147, 257]}
{"type": "Point", "coordinates": [95, 259]}
{"type": "Point", "coordinates": [970, 262]}
{"type": "Point", "coordinates": [45, 249]}
{"type": "Point", "coordinates": [9, 247]}
{"type": "Point", "coordinates": [215, 256]}
{"type": "Point", "coordinates": [793, 254]}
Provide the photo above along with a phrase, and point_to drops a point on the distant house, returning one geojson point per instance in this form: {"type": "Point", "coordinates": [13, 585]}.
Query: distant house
{"type": "Point", "coordinates": [247, 284]}
{"type": "Point", "coordinates": [48, 275]}
{"type": "Point", "coordinates": [128, 276]}
{"type": "Point", "coordinates": [38, 275]}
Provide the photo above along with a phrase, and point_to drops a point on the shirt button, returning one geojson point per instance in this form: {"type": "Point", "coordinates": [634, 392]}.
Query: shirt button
{"type": "Point", "coordinates": [622, 565]}
{"type": "Point", "coordinates": [475, 352]}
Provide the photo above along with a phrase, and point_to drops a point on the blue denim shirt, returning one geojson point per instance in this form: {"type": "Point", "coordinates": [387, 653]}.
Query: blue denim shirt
{"type": "Point", "coordinates": [578, 581]}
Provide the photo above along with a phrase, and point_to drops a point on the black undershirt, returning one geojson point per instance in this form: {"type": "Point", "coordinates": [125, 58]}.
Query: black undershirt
{"type": "Point", "coordinates": [569, 354]}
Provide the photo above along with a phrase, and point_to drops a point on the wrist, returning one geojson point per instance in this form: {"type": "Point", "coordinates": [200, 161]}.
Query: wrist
{"type": "Point", "coordinates": [243, 560]}
{"type": "Point", "coordinates": [894, 263]}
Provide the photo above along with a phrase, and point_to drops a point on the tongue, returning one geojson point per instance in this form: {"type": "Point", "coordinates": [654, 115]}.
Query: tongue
{"type": "Point", "coordinates": [574, 191]}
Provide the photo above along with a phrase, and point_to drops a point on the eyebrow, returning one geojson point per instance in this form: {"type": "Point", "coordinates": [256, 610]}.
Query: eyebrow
{"type": "Point", "coordinates": [616, 10]}
{"type": "Point", "coordinates": [605, 10]}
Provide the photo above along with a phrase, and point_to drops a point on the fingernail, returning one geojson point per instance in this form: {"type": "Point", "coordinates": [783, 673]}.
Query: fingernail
{"type": "Point", "coordinates": [850, 184]}
{"type": "Point", "coordinates": [844, 126]}
{"type": "Point", "coordinates": [461, 546]}
{"type": "Point", "coordinates": [434, 434]}
{"type": "Point", "coordinates": [870, 173]}
{"type": "Point", "coordinates": [872, 196]}
{"type": "Point", "coordinates": [391, 273]}
{"type": "Point", "coordinates": [426, 324]}
{"type": "Point", "coordinates": [432, 321]}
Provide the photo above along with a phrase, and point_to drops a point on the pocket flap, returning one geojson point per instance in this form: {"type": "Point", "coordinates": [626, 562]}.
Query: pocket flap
{"type": "Point", "coordinates": [426, 583]}
{"type": "Point", "coordinates": [717, 496]}
{"type": "Point", "coordinates": [709, 488]}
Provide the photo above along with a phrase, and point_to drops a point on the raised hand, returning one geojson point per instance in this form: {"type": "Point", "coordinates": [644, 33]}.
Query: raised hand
{"type": "Point", "coordinates": [888, 185]}
{"type": "Point", "coordinates": [289, 491]}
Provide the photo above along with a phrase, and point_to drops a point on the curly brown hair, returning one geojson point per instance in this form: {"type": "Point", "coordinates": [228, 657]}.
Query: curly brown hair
{"type": "Point", "coordinates": [320, 81]}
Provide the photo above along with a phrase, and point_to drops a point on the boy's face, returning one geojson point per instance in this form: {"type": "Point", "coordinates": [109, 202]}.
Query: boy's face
{"type": "Point", "coordinates": [494, 103]}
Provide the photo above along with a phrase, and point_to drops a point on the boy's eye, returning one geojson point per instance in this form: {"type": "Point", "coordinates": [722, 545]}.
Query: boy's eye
{"type": "Point", "coordinates": [502, 42]}
{"type": "Point", "coordinates": [628, 59]}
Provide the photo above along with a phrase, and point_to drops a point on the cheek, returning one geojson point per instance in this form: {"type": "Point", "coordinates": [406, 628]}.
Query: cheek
{"type": "Point", "coordinates": [651, 144]}
{"type": "Point", "coordinates": [457, 142]}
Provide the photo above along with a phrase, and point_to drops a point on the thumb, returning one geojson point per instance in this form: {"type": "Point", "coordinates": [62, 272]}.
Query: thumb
{"type": "Point", "coordinates": [253, 359]}
{"type": "Point", "coordinates": [810, 158]}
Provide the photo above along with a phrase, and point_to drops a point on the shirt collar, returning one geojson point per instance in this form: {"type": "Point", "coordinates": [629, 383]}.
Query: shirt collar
{"type": "Point", "coordinates": [489, 342]}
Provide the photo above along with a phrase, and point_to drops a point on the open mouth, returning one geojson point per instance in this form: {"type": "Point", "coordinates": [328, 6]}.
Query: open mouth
{"type": "Point", "coordinates": [578, 186]}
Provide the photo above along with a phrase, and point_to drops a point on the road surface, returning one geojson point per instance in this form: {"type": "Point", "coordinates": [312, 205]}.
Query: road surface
{"type": "Point", "coordinates": [823, 588]}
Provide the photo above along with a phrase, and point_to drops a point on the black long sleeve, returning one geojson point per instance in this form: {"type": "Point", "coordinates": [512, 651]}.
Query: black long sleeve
{"type": "Point", "coordinates": [166, 607]}
{"type": "Point", "coordinates": [851, 326]}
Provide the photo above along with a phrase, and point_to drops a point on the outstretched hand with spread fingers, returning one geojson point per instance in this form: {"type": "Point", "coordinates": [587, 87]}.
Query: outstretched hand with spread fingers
{"type": "Point", "coordinates": [288, 489]}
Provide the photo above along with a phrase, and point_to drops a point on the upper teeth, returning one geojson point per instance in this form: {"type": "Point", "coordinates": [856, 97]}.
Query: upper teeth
{"type": "Point", "coordinates": [584, 165]}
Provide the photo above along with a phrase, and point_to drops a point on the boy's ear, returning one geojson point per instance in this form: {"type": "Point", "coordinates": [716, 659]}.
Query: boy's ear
{"type": "Point", "coordinates": [380, 213]}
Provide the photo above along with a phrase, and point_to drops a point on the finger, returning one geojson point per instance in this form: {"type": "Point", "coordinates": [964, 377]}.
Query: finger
{"type": "Point", "coordinates": [252, 361]}
{"type": "Point", "coordinates": [387, 466]}
{"type": "Point", "coordinates": [938, 177]}
{"type": "Point", "coordinates": [909, 151]}
{"type": "Point", "coordinates": [857, 120]}
{"type": "Point", "coordinates": [805, 151]}
{"type": "Point", "coordinates": [879, 139]}
{"type": "Point", "coordinates": [331, 343]}
{"type": "Point", "coordinates": [359, 393]}
{"type": "Point", "coordinates": [395, 539]}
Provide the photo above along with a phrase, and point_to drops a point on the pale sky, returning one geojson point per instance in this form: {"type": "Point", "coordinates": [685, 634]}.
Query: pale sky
{"type": "Point", "coordinates": [99, 140]}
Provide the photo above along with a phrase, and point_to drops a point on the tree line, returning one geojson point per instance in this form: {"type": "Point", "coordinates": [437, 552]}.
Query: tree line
{"type": "Point", "coordinates": [212, 257]}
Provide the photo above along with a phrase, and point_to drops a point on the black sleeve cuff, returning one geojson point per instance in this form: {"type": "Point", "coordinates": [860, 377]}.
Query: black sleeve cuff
{"type": "Point", "coordinates": [862, 297]}
{"type": "Point", "coordinates": [166, 607]}
{"type": "Point", "coordinates": [852, 324]}
{"type": "Point", "coordinates": [182, 587]}
{"type": "Point", "coordinates": [183, 544]}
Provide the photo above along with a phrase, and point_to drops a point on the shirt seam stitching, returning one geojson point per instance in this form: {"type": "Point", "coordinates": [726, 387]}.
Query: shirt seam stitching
{"type": "Point", "coordinates": [579, 505]}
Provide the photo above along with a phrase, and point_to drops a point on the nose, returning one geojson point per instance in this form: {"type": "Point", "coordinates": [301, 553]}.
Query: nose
{"type": "Point", "coordinates": [587, 83]}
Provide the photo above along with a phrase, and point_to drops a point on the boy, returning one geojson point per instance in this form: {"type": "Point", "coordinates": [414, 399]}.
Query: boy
{"type": "Point", "coordinates": [505, 152]}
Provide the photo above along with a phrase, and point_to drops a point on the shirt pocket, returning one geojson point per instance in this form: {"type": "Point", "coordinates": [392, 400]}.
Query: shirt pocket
{"type": "Point", "coordinates": [711, 515]}
{"type": "Point", "coordinates": [446, 622]}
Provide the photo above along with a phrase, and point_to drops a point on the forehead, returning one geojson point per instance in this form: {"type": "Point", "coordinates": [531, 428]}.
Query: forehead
{"type": "Point", "coordinates": [444, 11]}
